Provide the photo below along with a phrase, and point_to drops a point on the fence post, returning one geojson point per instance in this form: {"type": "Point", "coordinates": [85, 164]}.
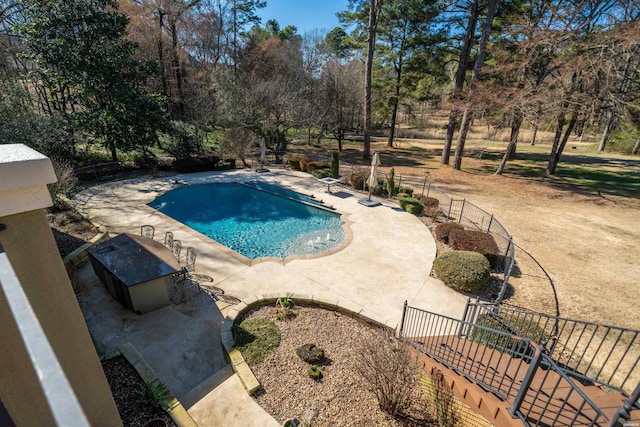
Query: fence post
{"type": "Point", "coordinates": [404, 311]}
{"type": "Point", "coordinates": [450, 206]}
{"type": "Point", "coordinates": [400, 182]}
{"type": "Point", "coordinates": [526, 382]}
{"type": "Point", "coordinates": [490, 221]}
{"type": "Point", "coordinates": [424, 184]}
{"type": "Point", "coordinates": [506, 253]}
{"type": "Point", "coordinates": [461, 331]}
{"type": "Point", "coordinates": [464, 201]}
{"type": "Point", "coordinates": [428, 188]}
{"type": "Point", "coordinates": [95, 173]}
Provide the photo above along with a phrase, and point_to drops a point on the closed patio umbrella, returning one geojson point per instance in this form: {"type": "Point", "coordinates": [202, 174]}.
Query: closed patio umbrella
{"type": "Point", "coordinates": [373, 181]}
{"type": "Point", "coordinates": [263, 153]}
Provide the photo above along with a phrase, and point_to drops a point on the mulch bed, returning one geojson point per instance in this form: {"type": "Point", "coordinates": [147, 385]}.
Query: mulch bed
{"type": "Point", "coordinates": [125, 384]}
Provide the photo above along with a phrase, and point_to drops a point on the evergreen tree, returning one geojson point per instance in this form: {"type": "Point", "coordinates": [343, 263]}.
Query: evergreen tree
{"type": "Point", "coordinates": [86, 64]}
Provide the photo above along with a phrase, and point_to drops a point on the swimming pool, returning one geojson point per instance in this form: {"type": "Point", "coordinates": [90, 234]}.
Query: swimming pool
{"type": "Point", "coordinates": [254, 219]}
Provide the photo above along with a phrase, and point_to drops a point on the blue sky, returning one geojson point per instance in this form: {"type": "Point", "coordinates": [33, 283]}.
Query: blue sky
{"type": "Point", "coordinates": [306, 15]}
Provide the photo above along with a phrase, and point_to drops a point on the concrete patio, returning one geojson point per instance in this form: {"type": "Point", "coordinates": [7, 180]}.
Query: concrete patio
{"type": "Point", "coordinates": [387, 261]}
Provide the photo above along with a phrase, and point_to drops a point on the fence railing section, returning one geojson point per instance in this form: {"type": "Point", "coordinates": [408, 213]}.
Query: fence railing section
{"type": "Point", "coordinates": [63, 403]}
{"type": "Point", "coordinates": [603, 354]}
{"type": "Point", "coordinates": [512, 367]}
{"type": "Point", "coordinates": [98, 172]}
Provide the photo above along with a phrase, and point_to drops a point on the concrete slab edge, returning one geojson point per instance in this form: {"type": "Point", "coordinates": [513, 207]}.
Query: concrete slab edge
{"type": "Point", "coordinates": [173, 407]}
{"type": "Point", "coordinates": [234, 356]}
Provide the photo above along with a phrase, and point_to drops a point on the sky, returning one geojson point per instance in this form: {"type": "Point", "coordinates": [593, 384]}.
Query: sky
{"type": "Point", "coordinates": [306, 15]}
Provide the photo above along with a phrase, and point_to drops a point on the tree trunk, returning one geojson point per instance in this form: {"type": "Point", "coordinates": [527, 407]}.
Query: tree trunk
{"type": "Point", "coordinates": [534, 133]}
{"type": "Point", "coordinates": [451, 128]}
{"type": "Point", "coordinates": [394, 112]}
{"type": "Point", "coordinates": [561, 119]}
{"type": "Point", "coordinates": [477, 68]}
{"type": "Point", "coordinates": [607, 131]}
{"type": "Point", "coordinates": [374, 9]}
{"type": "Point", "coordinates": [636, 147]}
{"type": "Point", "coordinates": [114, 154]}
{"type": "Point", "coordinates": [555, 154]}
{"type": "Point", "coordinates": [160, 46]}
{"type": "Point", "coordinates": [461, 72]}
{"type": "Point", "coordinates": [175, 65]}
{"type": "Point", "coordinates": [513, 142]}
{"type": "Point", "coordinates": [462, 137]}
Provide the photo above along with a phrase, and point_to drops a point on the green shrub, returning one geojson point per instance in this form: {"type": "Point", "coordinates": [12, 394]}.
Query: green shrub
{"type": "Point", "coordinates": [256, 338]}
{"type": "Point", "coordinates": [512, 325]}
{"type": "Point", "coordinates": [407, 190]}
{"type": "Point", "coordinates": [321, 173]}
{"type": "Point", "coordinates": [390, 184]}
{"type": "Point", "coordinates": [378, 190]}
{"type": "Point", "coordinates": [402, 196]}
{"type": "Point", "coordinates": [443, 230]}
{"type": "Point", "coordinates": [411, 205]}
{"type": "Point", "coordinates": [335, 164]}
{"type": "Point", "coordinates": [315, 372]}
{"type": "Point", "coordinates": [476, 241]}
{"type": "Point", "coordinates": [463, 270]}
{"type": "Point", "coordinates": [153, 393]}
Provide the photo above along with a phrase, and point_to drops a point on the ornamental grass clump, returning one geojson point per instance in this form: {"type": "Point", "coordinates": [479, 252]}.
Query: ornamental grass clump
{"type": "Point", "coordinates": [463, 270]}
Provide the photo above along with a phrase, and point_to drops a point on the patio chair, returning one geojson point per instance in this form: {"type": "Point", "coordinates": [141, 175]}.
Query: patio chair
{"type": "Point", "coordinates": [177, 248]}
{"type": "Point", "coordinates": [190, 260]}
{"type": "Point", "coordinates": [168, 240]}
{"type": "Point", "coordinates": [147, 231]}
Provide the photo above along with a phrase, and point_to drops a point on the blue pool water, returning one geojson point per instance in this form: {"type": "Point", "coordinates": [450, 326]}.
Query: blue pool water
{"type": "Point", "coordinates": [255, 219]}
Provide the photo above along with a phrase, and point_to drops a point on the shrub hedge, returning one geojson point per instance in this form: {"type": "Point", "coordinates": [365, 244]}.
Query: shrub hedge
{"type": "Point", "coordinates": [444, 230]}
{"type": "Point", "coordinates": [294, 162]}
{"type": "Point", "coordinates": [463, 270]}
{"type": "Point", "coordinates": [476, 241]}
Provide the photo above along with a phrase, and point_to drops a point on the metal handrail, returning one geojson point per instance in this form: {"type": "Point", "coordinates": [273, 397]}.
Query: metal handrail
{"type": "Point", "coordinates": [59, 394]}
{"type": "Point", "coordinates": [603, 354]}
{"type": "Point", "coordinates": [496, 360]}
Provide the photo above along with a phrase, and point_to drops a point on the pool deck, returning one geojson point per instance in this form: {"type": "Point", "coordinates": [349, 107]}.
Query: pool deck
{"type": "Point", "coordinates": [386, 262]}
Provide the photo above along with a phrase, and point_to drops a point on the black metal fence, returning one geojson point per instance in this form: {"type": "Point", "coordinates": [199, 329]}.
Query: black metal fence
{"type": "Point", "coordinates": [511, 366]}
{"type": "Point", "coordinates": [603, 354]}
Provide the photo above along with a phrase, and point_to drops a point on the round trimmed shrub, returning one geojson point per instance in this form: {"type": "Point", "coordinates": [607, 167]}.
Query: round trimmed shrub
{"type": "Point", "coordinates": [411, 205]}
{"type": "Point", "coordinates": [476, 241]}
{"type": "Point", "coordinates": [443, 230]}
{"type": "Point", "coordinates": [463, 270]}
{"type": "Point", "coordinates": [430, 202]}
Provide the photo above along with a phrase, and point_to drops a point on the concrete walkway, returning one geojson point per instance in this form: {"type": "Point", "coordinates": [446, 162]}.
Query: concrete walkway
{"type": "Point", "coordinates": [387, 261]}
